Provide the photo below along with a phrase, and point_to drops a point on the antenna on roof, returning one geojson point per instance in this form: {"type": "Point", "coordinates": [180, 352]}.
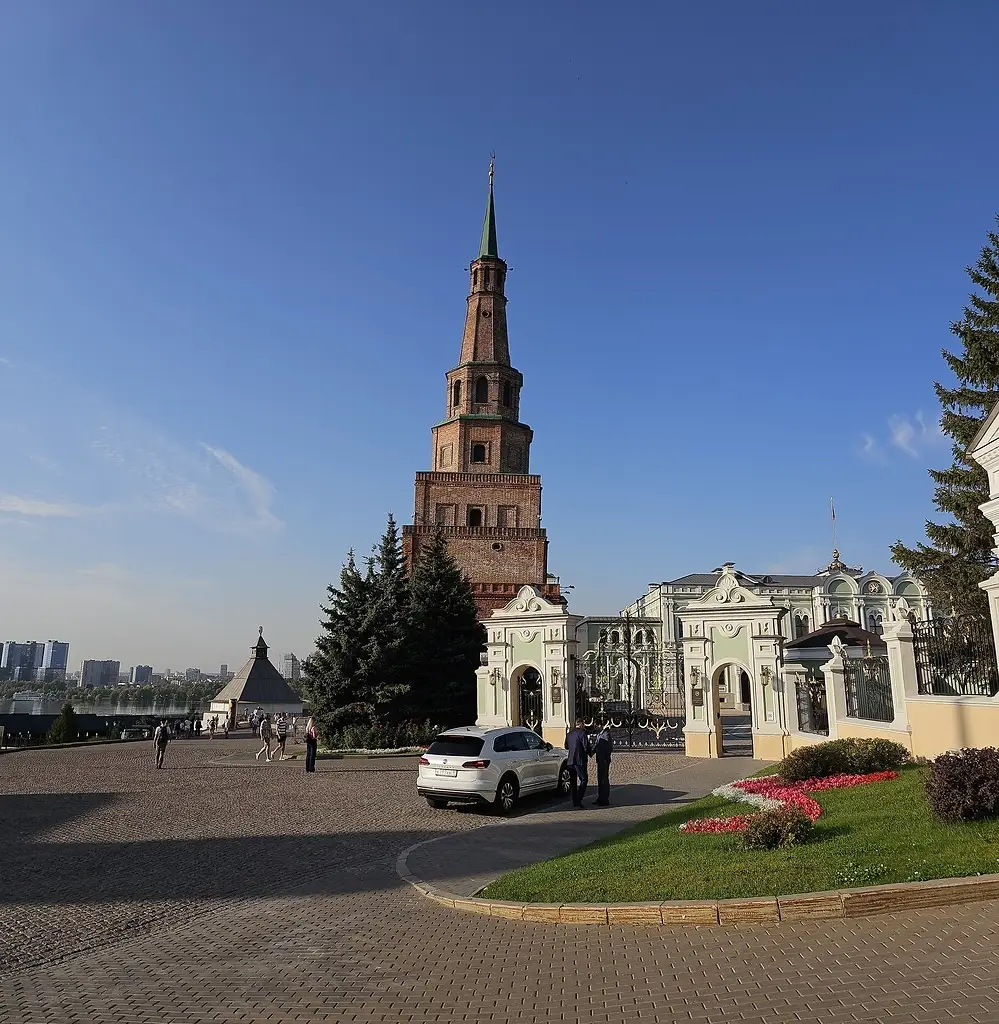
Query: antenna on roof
{"type": "Point", "coordinates": [832, 519]}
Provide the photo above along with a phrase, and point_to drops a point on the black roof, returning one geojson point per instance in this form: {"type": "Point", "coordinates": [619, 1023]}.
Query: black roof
{"type": "Point", "coordinates": [850, 633]}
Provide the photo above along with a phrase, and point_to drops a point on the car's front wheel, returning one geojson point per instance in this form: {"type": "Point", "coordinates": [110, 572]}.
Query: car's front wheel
{"type": "Point", "coordinates": [438, 805]}
{"type": "Point", "coordinates": [506, 795]}
{"type": "Point", "coordinates": [564, 787]}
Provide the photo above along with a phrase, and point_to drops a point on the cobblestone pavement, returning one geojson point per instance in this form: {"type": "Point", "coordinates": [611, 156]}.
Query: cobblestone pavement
{"type": "Point", "coordinates": [220, 889]}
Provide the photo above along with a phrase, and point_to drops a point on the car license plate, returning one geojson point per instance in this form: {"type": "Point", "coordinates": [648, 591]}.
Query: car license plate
{"type": "Point", "coordinates": [451, 773]}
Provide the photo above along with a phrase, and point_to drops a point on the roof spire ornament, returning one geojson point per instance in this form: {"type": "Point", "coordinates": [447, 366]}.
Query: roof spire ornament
{"type": "Point", "coordinates": [487, 244]}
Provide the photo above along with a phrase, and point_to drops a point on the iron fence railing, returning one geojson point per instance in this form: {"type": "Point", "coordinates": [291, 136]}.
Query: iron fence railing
{"type": "Point", "coordinates": [813, 712]}
{"type": "Point", "coordinates": [868, 688]}
{"type": "Point", "coordinates": [956, 656]}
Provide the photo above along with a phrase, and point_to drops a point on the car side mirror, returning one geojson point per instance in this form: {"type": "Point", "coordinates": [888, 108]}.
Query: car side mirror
{"type": "Point", "coordinates": [548, 746]}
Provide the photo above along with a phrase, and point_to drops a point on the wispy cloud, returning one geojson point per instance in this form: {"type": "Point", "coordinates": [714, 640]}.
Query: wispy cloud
{"type": "Point", "coordinates": [912, 435]}
{"type": "Point", "coordinates": [205, 484]}
{"type": "Point", "coordinates": [259, 491]}
{"type": "Point", "coordinates": [11, 503]}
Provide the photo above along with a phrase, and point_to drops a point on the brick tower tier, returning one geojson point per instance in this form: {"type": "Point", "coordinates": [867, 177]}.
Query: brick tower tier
{"type": "Point", "coordinates": [481, 492]}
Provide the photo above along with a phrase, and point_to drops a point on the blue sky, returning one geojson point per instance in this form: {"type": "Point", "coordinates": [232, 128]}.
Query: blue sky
{"type": "Point", "coordinates": [232, 279]}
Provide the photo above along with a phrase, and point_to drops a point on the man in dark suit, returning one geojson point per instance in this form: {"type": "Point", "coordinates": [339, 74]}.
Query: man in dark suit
{"type": "Point", "coordinates": [578, 746]}
{"type": "Point", "coordinates": [602, 747]}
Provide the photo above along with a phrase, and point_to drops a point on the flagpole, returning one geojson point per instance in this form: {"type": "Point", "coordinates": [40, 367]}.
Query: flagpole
{"type": "Point", "coordinates": [832, 516]}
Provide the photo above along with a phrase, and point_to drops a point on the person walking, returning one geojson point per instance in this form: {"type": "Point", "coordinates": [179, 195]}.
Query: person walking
{"type": "Point", "coordinates": [578, 746]}
{"type": "Point", "coordinates": [161, 737]}
{"type": "Point", "coordinates": [294, 729]}
{"type": "Point", "coordinates": [265, 735]}
{"type": "Point", "coordinates": [282, 735]}
{"type": "Point", "coordinates": [602, 747]}
{"type": "Point", "coordinates": [311, 745]}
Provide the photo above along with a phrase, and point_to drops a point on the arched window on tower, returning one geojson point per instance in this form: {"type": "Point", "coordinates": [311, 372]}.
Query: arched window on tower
{"type": "Point", "coordinates": [876, 622]}
{"type": "Point", "coordinates": [478, 453]}
{"type": "Point", "coordinates": [481, 391]}
{"type": "Point", "coordinates": [456, 393]}
{"type": "Point", "coordinates": [508, 395]}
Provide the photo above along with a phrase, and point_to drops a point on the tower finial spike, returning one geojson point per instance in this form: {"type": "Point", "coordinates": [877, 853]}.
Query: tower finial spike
{"type": "Point", "coordinates": [487, 244]}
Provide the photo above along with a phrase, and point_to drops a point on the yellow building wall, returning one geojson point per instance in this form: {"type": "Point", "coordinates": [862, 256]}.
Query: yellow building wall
{"type": "Point", "coordinates": [847, 728]}
{"type": "Point", "coordinates": [805, 739]}
{"type": "Point", "coordinates": [939, 725]}
{"type": "Point", "coordinates": [767, 747]}
{"type": "Point", "coordinates": [556, 737]}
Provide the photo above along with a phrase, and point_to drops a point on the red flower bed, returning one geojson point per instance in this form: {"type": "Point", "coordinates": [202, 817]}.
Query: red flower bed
{"type": "Point", "coordinates": [772, 791]}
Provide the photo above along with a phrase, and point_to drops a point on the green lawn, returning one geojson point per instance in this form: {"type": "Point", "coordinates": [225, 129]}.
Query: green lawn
{"type": "Point", "coordinates": [868, 835]}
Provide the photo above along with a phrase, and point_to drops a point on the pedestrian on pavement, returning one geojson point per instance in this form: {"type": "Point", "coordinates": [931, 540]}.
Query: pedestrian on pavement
{"type": "Point", "coordinates": [197, 728]}
{"type": "Point", "coordinates": [602, 747]}
{"type": "Point", "coordinates": [265, 735]}
{"type": "Point", "coordinates": [578, 746]}
{"type": "Point", "coordinates": [311, 745]}
{"type": "Point", "coordinates": [294, 728]}
{"type": "Point", "coordinates": [161, 737]}
{"type": "Point", "coordinates": [282, 735]}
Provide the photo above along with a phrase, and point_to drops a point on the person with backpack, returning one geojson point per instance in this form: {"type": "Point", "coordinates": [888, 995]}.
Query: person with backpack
{"type": "Point", "coordinates": [161, 737]}
{"type": "Point", "coordinates": [265, 735]}
{"type": "Point", "coordinates": [282, 734]}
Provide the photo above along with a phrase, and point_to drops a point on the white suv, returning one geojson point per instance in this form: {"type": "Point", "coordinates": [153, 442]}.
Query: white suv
{"type": "Point", "coordinates": [490, 766]}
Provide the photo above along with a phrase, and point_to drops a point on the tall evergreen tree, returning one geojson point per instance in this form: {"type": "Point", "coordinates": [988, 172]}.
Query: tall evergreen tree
{"type": "Point", "coordinates": [445, 639]}
{"type": "Point", "coordinates": [335, 678]}
{"type": "Point", "coordinates": [959, 555]}
{"type": "Point", "coordinates": [386, 627]}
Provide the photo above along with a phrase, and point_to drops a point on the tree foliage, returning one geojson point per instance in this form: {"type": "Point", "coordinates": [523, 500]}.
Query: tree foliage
{"type": "Point", "coordinates": [446, 638]}
{"type": "Point", "coordinates": [394, 649]}
{"type": "Point", "coordinates": [66, 728]}
{"type": "Point", "coordinates": [958, 552]}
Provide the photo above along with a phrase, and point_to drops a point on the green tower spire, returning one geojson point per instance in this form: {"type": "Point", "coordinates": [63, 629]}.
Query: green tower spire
{"type": "Point", "coordinates": [487, 245]}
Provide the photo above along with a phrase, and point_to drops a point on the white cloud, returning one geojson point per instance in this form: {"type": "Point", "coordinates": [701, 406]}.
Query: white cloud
{"type": "Point", "coordinates": [909, 434]}
{"type": "Point", "coordinates": [45, 509]}
{"type": "Point", "coordinates": [259, 491]}
{"type": "Point", "coordinates": [206, 484]}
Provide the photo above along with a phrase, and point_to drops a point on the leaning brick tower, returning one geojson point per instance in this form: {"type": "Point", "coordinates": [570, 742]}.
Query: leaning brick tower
{"type": "Point", "coordinates": [481, 492]}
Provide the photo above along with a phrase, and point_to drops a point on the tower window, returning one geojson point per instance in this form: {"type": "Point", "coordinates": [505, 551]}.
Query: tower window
{"type": "Point", "coordinates": [481, 391]}
{"type": "Point", "coordinates": [508, 394]}
{"type": "Point", "coordinates": [478, 453]}
{"type": "Point", "coordinates": [475, 516]}
{"type": "Point", "coordinates": [456, 393]}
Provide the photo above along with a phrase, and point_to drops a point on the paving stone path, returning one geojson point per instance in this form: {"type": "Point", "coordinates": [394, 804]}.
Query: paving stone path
{"type": "Point", "coordinates": [220, 889]}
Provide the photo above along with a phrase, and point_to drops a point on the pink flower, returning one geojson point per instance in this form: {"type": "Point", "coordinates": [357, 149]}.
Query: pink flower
{"type": "Point", "coordinates": [774, 788]}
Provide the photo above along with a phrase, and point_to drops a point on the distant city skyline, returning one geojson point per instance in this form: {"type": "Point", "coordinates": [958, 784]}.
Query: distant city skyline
{"type": "Point", "coordinates": [235, 253]}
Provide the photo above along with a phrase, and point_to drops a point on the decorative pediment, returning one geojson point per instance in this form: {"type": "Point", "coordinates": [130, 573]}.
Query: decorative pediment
{"type": "Point", "coordinates": [528, 602]}
{"type": "Point", "coordinates": [729, 595]}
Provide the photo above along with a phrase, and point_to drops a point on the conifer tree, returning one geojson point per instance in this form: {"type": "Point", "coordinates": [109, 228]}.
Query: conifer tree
{"type": "Point", "coordinates": [385, 627]}
{"type": "Point", "coordinates": [959, 555]}
{"type": "Point", "coordinates": [335, 675]}
{"type": "Point", "coordinates": [445, 639]}
{"type": "Point", "coordinates": [66, 728]}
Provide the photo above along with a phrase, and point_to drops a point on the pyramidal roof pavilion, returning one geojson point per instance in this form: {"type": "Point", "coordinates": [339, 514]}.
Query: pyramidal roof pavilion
{"type": "Point", "coordinates": [259, 683]}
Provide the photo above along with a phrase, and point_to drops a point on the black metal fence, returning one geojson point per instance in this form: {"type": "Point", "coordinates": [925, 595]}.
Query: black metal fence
{"type": "Point", "coordinates": [813, 711]}
{"type": "Point", "coordinates": [956, 656]}
{"type": "Point", "coordinates": [868, 688]}
{"type": "Point", "coordinates": [631, 729]}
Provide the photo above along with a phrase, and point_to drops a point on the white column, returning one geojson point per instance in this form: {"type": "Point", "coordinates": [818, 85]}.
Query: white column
{"type": "Point", "coordinates": [834, 671]}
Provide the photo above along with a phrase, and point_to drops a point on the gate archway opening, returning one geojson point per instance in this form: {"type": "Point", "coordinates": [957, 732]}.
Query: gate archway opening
{"type": "Point", "coordinates": [732, 687]}
{"type": "Point", "coordinates": [530, 704]}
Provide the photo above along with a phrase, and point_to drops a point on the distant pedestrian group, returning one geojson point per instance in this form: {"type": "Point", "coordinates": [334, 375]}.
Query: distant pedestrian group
{"type": "Point", "coordinates": [581, 748]}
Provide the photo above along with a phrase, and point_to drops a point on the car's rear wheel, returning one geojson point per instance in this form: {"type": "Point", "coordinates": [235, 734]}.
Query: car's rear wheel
{"type": "Point", "coordinates": [564, 787]}
{"type": "Point", "coordinates": [506, 795]}
{"type": "Point", "coordinates": [438, 805]}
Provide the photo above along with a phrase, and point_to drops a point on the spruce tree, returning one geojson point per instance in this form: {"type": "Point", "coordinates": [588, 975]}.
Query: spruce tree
{"type": "Point", "coordinates": [335, 675]}
{"type": "Point", "coordinates": [446, 639]}
{"type": "Point", "coordinates": [959, 555]}
{"type": "Point", "coordinates": [386, 628]}
{"type": "Point", "coordinates": [66, 728]}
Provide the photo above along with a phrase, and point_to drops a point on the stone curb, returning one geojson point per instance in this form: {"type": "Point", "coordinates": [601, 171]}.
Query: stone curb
{"type": "Point", "coordinates": [808, 906]}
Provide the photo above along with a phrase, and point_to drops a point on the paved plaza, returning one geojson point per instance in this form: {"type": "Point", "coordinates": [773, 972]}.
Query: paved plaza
{"type": "Point", "coordinates": [220, 889]}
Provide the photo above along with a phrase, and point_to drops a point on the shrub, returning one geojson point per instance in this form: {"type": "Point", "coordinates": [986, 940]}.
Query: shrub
{"type": "Point", "coordinates": [390, 736]}
{"type": "Point", "coordinates": [783, 826]}
{"type": "Point", "coordinates": [876, 755]}
{"type": "Point", "coordinates": [843, 757]}
{"type": "Point", "coordinates": [66, 728]}
{"type": "Point", "coordinates": [964, 786]}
